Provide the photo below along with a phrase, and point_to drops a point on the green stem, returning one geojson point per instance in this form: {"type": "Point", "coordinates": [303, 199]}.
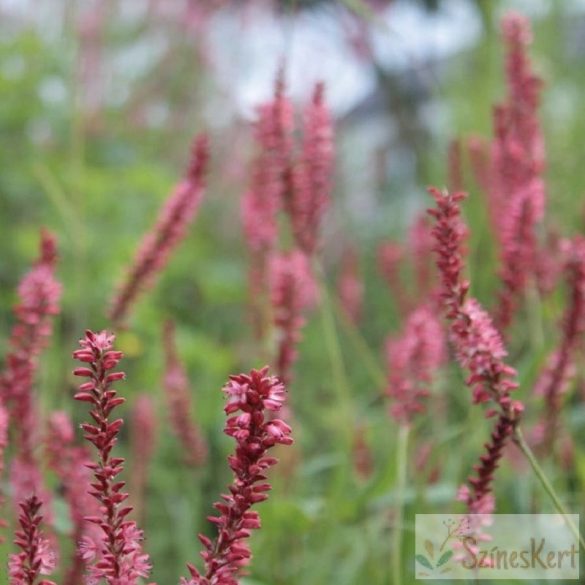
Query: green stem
{"type": "Point", "coordinates": [340, 379]}
{"type": "Point", "coordinates": [366, 354]}
{"type": "Point", "coordinates": [548, 488]}
{"type": "Point", "coordinates": [401, 463]}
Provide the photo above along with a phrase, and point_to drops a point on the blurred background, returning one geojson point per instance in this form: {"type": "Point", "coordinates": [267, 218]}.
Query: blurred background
{"type": "Point", "coordinates": [99, 101]}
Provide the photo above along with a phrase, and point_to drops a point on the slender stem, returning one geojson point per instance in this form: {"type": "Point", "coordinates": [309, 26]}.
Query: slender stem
{"type": "Point", "coordinates": [333, 346]}
{"type": "Point", "coordinates": [548, 488]}
{"type": "Point", "coordinates": [401, 462]}
{"type": "Point", "coordinates": [367, 356]}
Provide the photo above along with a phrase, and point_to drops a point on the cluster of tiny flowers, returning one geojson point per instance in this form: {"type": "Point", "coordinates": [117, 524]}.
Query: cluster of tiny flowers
{"type": "Point", "coordinates": [270, 190]}
{"type": "Point", "coordinates": [478, 345]}
{"type": "Point", "coordinates": [250, 397]}
{"type": "Point", "coordinates": [270, 183]}
{"type": "Point", "coordinates": [518, 193]}
{"type": "Point", "coordinates": [300, 186]}
{"type": "Point", "coordinates": [117, 557]}
{"type": "Point", "coordinates": [170, 229]}
{"type": "Point", "coordinates": [413, 358]}
{"type": "Point", "coordinates": [178, 394]}
{"type": "Point", "coordinates": [39, 294]}
{"type": "Point", "coordinates": [36, 557]}
{"type": "Point", "coordinates": [293, 290]}
{"type": "Point", "coordinates": [312, 176]}
{"type": "Point", "coordinates": [560, 365]}
{"type": "Point", "coordinates": [480, 499]}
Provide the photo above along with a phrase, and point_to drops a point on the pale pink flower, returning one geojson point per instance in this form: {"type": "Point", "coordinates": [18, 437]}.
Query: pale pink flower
{"type": "Point", "coordinates": [293, 291]}
{"type": "Point", "coordinates": [170, 229]}
{"type": "Point", "coordinates": [313, 174]}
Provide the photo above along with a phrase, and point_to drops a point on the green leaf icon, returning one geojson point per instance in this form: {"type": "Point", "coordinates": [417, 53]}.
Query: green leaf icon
{"type": "Point", "coordinates": [424, 562]}
{"type": "Point", "coordinates": [430, 549]}
{"type": "Point", "coordinates": [444, 558]}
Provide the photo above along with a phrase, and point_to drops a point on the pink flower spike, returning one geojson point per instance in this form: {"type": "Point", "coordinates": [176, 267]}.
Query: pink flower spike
{"type": "Point", "coordinates": [270, 190]}
{"type": "Point", "coordinates": [313, 175]}
{"type": "Point", "coordinates": [179, 402]}
{"type": "Point", "coordinates": [478, 345]}
{"type": "Point", "coordinates": [39, 294]}
{"type": "Point", "coordinates": [560, 366]}
{"type": "Point", "coordinates": [413, 359]}
{"type": "Point", "coordinates": [517, 192]}
{"type": "Point", "coordinates": [254, 434]}
{"type": "Point", "coordinates": [36, 557]}
{"type": "Point", "coordinates": [170, 229]}
{"type": "Point", "coordinates": [119, 559]}
{"type": "Point", "coordinates": [293, 291]}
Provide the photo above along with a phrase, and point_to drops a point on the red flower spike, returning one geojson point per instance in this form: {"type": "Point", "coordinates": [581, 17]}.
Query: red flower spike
{"type": "Point", "coordinates": [560, 366]}
{"type": "Point", "coordinates": [36, 557]}
{"type": "Point", "coordinates": [478, 345]}
{"type": "Point", "coordinates": [292, 290]}
{"type": "Point", "coordinates": [39, 294]}
{"type": "Point", "coordinates": [178, 394]}
{"type": "Point", "coordinates": [115, 555]}
{"type": "Point", "coordinates": [517, 192]}
{"type": "Point", "coordinates": [254, 433]}
{"type": "Point", "coordinates": [170, 229]}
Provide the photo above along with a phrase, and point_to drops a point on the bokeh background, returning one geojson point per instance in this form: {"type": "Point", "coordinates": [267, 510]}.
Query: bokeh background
{"type": "Point", "coordinates": [99, 101]}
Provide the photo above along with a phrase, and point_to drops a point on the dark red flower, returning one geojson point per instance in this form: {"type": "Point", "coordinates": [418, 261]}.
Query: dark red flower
{"type": "Point", "coordinates": [249, 397]}
{"type": "Point", "coordinates": [118, 557]}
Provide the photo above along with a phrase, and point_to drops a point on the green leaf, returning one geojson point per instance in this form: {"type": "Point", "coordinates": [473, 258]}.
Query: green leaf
{"type": "Point", "coordinates": [444, 558]}
{"type": "Point", "coordinates": [424, 561]}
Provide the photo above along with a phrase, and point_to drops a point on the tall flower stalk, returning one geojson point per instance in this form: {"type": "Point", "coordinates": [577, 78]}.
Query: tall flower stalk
{"type": "Point", "coordinates": [39, 294]}
{"type": "Point", "coordinates": [478, 345]}
{"type": "Point", "coordinates": [413, 359]}
{"type": "Point", "coordinates": [117, 557]}
{"type": "Point", "coordinates": [293, 291]}
{"type": "Point", "coordinates": [313, 174]}
{"type": "Point", "coordinates": [178, 394]}
{"type": "Point", "coordinates": [560, 364]}
{"type": "Point", "coordinates": [517, 195]}
{"type": "Point", "coordinates": [170, 229]}
{"type": "Point", "coordinates": [36, 557]}
{"type": "Point", "coordinates": [269, 191]}
{"type": "Point", "coordinates": [250, 397]}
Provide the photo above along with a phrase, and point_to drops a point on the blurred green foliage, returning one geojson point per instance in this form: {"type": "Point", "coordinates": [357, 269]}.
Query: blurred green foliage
{"type": "Point", "coordinates": [97, 179]}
